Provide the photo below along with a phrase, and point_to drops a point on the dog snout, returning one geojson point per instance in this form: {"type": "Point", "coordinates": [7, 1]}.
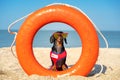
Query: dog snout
{"type": "Point", "coordinates": [59, 38]}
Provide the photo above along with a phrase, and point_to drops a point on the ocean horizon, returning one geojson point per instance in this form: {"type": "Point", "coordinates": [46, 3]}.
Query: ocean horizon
{"type": "Point", "coordinates": [42, 37]}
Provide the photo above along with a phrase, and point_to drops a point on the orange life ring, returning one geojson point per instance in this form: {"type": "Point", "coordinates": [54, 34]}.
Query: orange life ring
{"type": "Point", "coordinates": [64, 14]}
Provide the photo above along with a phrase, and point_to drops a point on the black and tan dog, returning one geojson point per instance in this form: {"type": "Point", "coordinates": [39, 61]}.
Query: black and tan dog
{"type": "Point", "coordinates": [58, 52]}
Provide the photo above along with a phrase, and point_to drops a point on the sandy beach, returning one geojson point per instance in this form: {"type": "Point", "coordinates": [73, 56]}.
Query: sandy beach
{"type": "Point", "coordinates": [10, 68]}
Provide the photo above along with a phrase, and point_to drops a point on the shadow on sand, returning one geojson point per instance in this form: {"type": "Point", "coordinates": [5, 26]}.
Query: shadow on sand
{"type": "Point", "coordinates": [96, 69]}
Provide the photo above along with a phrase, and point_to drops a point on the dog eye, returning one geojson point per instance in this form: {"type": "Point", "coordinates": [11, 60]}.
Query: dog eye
{"type": "Point", "coordinates": [56, 35]}
{"type": "Point", "coordinates": [64, 35]}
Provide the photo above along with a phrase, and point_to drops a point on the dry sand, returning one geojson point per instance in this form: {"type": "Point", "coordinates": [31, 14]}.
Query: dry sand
{"type": "Point", "coordinates": [10, 68]}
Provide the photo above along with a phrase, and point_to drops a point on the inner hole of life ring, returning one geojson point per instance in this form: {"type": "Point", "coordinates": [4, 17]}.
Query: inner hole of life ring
{"type": "Point", "coordinates": [42, 46]}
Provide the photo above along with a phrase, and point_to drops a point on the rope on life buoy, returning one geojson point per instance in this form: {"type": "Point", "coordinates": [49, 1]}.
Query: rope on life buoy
{"type": "Point", "coordinates": [15, 33]}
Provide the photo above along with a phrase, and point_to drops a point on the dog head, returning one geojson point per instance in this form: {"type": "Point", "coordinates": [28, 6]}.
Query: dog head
{"type": "Point", "coordinates": [59, 36]}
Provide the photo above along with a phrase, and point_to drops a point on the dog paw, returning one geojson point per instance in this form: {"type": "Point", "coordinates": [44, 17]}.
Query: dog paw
{"type": "Point", "coordinates": [64, 67]}
{"type": "Point", "coordinates": [53, 68]}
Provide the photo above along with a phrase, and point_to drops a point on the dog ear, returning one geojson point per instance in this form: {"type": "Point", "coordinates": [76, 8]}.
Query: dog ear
{"type": "Point", "coordinates": [52, 39]}
{"type": "Point", "coordinates": [64, 36]}
{"type": "Point", "coordinates": [65, 40]}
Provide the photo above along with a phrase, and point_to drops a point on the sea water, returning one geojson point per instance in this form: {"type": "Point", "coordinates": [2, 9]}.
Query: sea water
{"type": "Point", "coordinates": [42, 39]}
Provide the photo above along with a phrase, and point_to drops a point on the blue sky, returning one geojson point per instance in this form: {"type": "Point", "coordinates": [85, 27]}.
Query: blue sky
{"type": "Point", "coordinates": [104, 13]}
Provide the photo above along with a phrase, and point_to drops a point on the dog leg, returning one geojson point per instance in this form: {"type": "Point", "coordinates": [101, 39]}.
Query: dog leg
{"type": "Point", "coordinates": [53, 68]}
{"type": "Point", "coordinates": [64, 67]}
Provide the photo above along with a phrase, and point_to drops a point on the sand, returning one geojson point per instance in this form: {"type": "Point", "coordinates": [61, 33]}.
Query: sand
{"type": "Point", "coordinates": [10, 68]}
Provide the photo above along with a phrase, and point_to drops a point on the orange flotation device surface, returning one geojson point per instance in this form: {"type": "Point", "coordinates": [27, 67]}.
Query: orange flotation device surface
{"type": "Point", "coordinates": [57, 13]}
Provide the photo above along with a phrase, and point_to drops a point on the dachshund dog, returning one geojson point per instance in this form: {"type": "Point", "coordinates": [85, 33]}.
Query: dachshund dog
{"type": "Point", "coordinates": [58, 52]}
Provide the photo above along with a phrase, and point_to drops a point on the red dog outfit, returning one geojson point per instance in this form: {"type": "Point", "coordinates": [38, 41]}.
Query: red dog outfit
{"type": "Point", "coordinates": [57, 57]}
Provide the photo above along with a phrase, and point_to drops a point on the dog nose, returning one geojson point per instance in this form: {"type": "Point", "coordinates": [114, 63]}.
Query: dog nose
{"type": "Point", "coordinates": [60, 38]}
